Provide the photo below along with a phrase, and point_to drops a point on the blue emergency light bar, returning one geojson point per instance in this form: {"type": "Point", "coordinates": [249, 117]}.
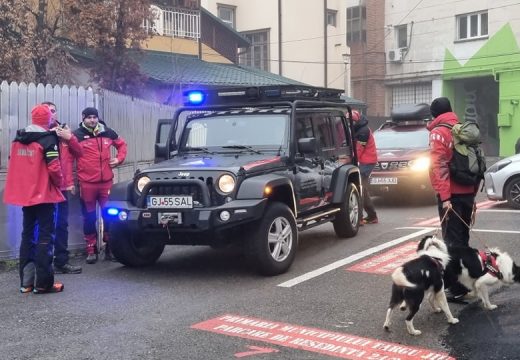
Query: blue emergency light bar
{"type": "Point", "coordinates": [258, 94]}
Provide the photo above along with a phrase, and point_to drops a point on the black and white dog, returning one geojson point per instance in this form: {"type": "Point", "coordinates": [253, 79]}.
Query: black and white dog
{"type": "Point", "coordinates": [477, 270]}
{"type": "Point", "coordinates": [419, 277]}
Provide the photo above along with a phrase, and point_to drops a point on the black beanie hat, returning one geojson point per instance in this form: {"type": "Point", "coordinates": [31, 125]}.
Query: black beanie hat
{"type": "Point", "coordinates": [440, 106]}
{"type": "Point", "coordinates": [89, 111]}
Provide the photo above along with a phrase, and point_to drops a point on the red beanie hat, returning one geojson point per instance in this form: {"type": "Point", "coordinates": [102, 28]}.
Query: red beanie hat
{"type": "Point", "coordinates": [41, 116]}
{"type": "Point", "coordinates": [355, 115]}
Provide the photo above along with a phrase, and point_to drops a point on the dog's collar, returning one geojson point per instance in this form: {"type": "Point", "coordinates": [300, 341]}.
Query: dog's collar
{"type": "Point", "coordinates": [489, 263]}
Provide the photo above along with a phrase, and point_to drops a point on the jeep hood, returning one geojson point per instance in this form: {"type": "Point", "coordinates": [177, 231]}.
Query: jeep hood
{"type": "Point", "coordinates": [229, 162]}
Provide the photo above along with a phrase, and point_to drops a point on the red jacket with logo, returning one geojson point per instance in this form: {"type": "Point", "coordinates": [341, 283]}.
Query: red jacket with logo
{"type": "Point", "coordinates": [34, 171]}
{"type": "Point", "coordinates": [93, 166]}
{"type": "Point", "coordinates": [441, 151]}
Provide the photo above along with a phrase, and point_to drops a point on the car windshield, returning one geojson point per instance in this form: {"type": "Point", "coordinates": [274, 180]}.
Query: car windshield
{"type": "Point", "coordinates": [401, 139]}
{"type": "Point", "coordinates": [238, 132]}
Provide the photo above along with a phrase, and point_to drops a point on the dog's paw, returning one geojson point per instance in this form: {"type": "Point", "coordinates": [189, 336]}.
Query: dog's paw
{"type": "Point", "coordinates": [415, 332]}
{"type": "Point", "coordinates": [453, 321]}
{"type": "Point", "coordinates": [491, 307]}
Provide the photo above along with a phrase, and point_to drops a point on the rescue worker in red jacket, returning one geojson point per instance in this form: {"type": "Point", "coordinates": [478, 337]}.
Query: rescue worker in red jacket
{"type": "Point", "coordinates": [94, 169]}
{"type": "Point", "coordinates": [450, 195]}
{"type": "Point", "coordinates": [33, 181]}
{"type": "Point", "coordinates": [367, 158]}
{"type": "Point", "coordinates": [69, 149]}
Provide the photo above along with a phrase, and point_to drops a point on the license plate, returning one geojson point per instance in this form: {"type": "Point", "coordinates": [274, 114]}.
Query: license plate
{"type": "Point", "coordinates": [170, 202]}
{"type": "Point", "coordinates": [170, 218]}
{"type": "Point", "coordinates": [383, 180]}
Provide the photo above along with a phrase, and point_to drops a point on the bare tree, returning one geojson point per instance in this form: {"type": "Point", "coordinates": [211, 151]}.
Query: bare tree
{"type": "Point", "coordinates": [114, 30]}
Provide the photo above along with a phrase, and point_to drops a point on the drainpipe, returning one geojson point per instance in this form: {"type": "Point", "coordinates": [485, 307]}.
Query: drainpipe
{"type": "Point", "coordinates": [280, 72]}
{"type": "Point", "coordinates": [325, 41]}
{"type": "Point", "coordinates": [199, 40]}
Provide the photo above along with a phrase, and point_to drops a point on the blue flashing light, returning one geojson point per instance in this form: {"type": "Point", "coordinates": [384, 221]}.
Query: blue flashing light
{"type": "Point", "coordinates": [195, 97]}
{"type": "Point", "coordinates": [112, 211]}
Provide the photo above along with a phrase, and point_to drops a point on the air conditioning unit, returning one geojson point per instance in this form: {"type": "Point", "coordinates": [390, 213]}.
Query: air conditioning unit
{"type": "Point", "coordinates": [395, 55]}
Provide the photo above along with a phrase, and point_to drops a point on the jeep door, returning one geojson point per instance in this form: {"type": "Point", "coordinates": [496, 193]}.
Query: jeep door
{"type": "Point", "coordinates": [308, 178]}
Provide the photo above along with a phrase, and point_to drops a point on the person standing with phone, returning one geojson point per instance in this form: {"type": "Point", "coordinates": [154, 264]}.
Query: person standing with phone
{"type": "Point", "coordinates": [69, 149]}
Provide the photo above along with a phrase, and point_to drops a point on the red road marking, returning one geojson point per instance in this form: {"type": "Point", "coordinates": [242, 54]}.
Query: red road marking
{"type": "Point", "coordinates": [336, 344]}
{"type": "Point", "coordinates": [255, 350]}
{"type": "Point", "coordinates": [386, 262]}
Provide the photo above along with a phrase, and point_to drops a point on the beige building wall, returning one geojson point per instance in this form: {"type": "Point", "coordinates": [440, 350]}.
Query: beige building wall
{"type": "Point", "coordinates": [304, 56]}
{"type": "Point", "coordinates": [183, 46]}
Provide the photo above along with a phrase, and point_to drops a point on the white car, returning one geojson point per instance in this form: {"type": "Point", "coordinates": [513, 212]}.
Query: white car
{"type": "Point", "coordinates": [503, 181]}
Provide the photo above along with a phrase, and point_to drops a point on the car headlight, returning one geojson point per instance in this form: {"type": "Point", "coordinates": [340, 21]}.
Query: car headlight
{"type": "Point", "coordinates": [226, 184]}
{"type": "Point", "coordinates": [143, 180]}
{"type": "Point", "coordinates": [498, 166]}
{"type": "Point", "coordinates": [420, 164]}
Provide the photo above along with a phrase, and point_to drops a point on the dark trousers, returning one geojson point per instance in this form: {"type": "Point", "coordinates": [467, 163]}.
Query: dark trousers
{"type": "Point", "coordinates": [368, 205]}
{"type": "Point", "coordinates": [61, 244]}
{"type": "Point", "coordinates": [37, 244]}
{"type": "Point", "coordinates": [455, 230]}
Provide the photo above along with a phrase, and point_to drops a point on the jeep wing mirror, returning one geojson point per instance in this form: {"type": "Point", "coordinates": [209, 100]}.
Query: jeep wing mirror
{"type": "Point", "coordinates": [307, 146]}
{"type": "Point", "coordinates": [163, 143]}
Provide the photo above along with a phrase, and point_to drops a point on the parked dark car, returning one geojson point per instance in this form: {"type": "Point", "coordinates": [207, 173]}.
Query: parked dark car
{"type": "Point", "coordinates": [403, 154]}
{"type": "Point", "coordinates": [252, 166]}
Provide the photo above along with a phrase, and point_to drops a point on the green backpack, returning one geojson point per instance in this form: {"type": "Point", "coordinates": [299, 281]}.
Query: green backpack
{"type": "Point", "coordinates": [468, 164]}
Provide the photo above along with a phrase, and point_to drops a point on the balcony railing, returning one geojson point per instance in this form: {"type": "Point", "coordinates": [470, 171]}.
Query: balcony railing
{"type": "Point", "coordinates": [173, 22]}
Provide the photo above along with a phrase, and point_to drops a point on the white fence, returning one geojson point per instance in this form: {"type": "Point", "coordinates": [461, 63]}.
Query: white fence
{"type": "Point", "coordinates": [134, 119]}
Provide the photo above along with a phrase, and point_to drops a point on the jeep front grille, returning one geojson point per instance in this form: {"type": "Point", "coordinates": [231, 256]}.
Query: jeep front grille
{"type": "Point", "coordinates": [201, 189]}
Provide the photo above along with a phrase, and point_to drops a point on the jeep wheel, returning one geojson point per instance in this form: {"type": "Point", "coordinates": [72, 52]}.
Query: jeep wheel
{"type": "Point", "coordinates": [272, 246]}
{"type": "Point", "coordinates": [512, 193]}
{"type": "Point", "coordinates": [346, 223]}
{"type": "Point", "coordinates": [132, 248]}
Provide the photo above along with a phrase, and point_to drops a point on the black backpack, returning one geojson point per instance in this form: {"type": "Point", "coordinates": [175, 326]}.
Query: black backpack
{"type": "Point", "coordinates": [468, 164]}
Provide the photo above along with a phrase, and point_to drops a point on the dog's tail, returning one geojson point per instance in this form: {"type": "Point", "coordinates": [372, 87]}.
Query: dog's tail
{"type": "Point", "coordinates": [399, 278]}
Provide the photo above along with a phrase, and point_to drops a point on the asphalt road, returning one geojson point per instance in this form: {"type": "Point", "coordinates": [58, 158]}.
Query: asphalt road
{"type": "Point", "coordinates": [200, 303]}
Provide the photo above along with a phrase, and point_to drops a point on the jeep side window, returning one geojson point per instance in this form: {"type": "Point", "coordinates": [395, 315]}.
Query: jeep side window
{"type": "Point", "coordinates": [324, 136]}
{"type": "Point", "coordinates": [344, 151]}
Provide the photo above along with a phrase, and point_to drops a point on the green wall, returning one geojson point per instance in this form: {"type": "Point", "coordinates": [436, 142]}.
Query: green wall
{"type": "Point", "coordinates": [498, 60]}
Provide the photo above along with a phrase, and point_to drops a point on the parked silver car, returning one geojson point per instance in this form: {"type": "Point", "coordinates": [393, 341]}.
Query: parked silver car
{"type": "Point", "coordinates": [503, 181]}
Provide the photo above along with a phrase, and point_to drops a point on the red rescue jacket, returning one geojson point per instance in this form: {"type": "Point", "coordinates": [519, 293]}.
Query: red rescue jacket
{"type": "Point", "coordinates": [441, 151]}
{"type": "Point", "coordinates": [365, 143]}
{"type": "Point", "coordinates": [93, 166]}
{"type": "Point", "coordinates": [34, 172]}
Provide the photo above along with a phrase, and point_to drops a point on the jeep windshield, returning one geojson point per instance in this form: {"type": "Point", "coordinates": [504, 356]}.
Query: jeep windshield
{"type": "Point", "coordinates": [236, 133]}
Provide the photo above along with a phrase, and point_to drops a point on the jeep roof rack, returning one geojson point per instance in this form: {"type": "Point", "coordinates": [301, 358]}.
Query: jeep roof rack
{"type": "Point", "coordinates": [260, 94]}
{"type": "Point", "coordinates": [408, 112]}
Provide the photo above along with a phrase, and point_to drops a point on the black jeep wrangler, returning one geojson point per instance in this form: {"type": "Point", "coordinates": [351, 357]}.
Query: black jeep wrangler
{"type": "Point", "coordinates": [251, 165]}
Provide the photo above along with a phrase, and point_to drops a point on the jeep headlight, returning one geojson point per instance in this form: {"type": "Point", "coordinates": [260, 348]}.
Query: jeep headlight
{"type": "Point", "coordinates": [226, 184]}
{"type": "Point", "coordinates": [420, 164]}
{"type": "Point", "coordinates": [143, 180]}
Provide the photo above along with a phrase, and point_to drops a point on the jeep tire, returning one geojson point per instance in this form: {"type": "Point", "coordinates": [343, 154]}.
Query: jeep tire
{"type": "Point", "coordinates": [131, 248]}
{"type": "Point", "coordinates": [346, 223]}
{"type": "Point", "coordinates": [272, 245]}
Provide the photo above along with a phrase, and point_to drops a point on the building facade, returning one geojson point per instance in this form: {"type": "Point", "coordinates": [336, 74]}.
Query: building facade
{"type": "Point", "coordinates": [467, 51]}
{"type": "Point", "coordinates": [301, 40]}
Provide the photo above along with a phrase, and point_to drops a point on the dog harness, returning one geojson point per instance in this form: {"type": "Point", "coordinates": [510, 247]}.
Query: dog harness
{"type": "Point", "coordinates": [489, 263]}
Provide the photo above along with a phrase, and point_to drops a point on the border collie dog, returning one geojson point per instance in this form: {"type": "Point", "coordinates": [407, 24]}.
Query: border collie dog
{"type": "Point", "coordinates": [419, 277]}
{"type": "Point", "coordinates": [477, 270]}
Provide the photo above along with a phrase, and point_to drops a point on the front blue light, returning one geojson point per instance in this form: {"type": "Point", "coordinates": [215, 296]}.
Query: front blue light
{"type": "Point", "coordinates": [112, 211]}
{"type": "Point", "coordinates": [195, 97]}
